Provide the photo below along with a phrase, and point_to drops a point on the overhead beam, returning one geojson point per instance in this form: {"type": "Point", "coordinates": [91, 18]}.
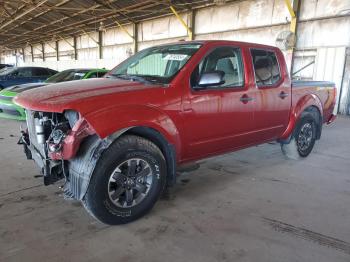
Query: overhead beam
{"type": "Point", "coordinates": [88, 35]}
{"type": "Point", "coordinates": [124, 29]}
{"type": "Point", "coordinates": [108, 15]}
{"type": "Point", "coordinates": [27, 11]}
{"type": "Point", "coordinates": [65, 40]}
{"type": "Point", "coordinates": [189, 31]}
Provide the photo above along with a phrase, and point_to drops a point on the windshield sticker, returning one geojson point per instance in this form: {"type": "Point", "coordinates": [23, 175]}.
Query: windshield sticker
{"type": "Point", "coordinates": [175, 57]}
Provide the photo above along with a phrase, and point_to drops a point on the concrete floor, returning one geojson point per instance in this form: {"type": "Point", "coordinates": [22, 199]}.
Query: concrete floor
{"type": "Point", "coordinates": [252, 205]}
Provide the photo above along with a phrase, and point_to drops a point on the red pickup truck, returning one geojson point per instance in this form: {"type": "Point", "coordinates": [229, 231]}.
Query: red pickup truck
{"type": "Point", "coordinates": [118, 141]}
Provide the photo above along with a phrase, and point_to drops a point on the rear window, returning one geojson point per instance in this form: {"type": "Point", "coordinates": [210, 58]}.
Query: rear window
{"type": "Point", "coordinates": [40, 72]}
{"type": "Point", "coordinates": [67, 75]}
{"type": "Point", "coordinates": [266, 68]}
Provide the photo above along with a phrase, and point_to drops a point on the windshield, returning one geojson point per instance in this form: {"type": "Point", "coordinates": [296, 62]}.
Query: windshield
{"type": "Point", "coordinates": [156, 64]}
{"type": "Point", "coordinates": [67, 75]}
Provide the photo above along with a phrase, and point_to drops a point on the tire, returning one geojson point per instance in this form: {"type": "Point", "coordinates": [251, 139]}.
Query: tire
{"type": "Point", "coordinates": [127, 181]}
{"type": "Point", "coordinates": [303, 138]}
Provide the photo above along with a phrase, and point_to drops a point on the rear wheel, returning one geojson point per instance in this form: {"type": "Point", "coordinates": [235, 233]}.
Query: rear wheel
{"type": "Point", "coordinates": [127, 181]}
{"type": "Point", "coordinates": [303, 138]}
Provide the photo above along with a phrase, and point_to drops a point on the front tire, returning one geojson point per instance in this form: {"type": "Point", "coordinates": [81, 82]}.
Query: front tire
{"type": "Point", "coordinates": [303, 139]}
{"type": "Point", "coordinates": [127, 181]}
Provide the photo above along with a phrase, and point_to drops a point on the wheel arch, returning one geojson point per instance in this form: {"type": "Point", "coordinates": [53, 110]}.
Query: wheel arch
{"type": "Point", "coordinates": [309, 103]}
{"type": "Point", "coordinates": [168, 149]}
{"type": "Point", "coordinates": [81, 167]}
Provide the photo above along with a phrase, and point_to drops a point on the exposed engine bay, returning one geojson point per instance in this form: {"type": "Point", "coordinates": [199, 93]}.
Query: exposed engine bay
{"type": "Point", "coordinates": [43, 141]}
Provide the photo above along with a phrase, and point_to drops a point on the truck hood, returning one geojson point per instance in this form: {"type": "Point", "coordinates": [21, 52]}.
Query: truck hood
{"type": "Point", "coordinates": [70, 95]}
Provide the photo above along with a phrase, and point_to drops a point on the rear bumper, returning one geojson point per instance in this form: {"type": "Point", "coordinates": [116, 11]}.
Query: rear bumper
{"type": "Point", "coordinates": [331, 119]}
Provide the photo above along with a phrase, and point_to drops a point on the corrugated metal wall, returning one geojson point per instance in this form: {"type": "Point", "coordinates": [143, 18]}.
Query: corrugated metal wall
{"type": "Point", "coordinates": [323, 36]}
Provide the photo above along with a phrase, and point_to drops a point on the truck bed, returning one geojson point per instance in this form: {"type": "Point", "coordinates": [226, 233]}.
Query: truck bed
{"type": "Point", "coordinates": [324, 90]}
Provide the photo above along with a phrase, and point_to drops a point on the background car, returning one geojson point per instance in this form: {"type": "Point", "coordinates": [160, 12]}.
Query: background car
{"type": "Point", "coordinates": [23, 75]}
{"type": "Point", "coordinates": [9, 110]}
{"type": "Point", "coordinates": [2, 66]}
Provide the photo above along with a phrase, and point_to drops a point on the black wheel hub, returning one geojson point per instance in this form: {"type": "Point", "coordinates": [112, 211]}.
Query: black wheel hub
{"type": "Point", "coordinates": [130, 182]}
{"type": "Point", "coordinates": [305, 136]}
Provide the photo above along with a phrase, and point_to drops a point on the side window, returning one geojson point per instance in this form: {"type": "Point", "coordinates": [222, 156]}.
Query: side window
{"type": "Point", "coordinates": [51, 72]}
{"type": "Point", "coordinates": [14, 73]}
{"type": "Point", "coordinates": [24, 72]}
{"type": "Point", "coordinates": [101, 74]}
{"type": "Point", "coordinates": [266, 68]}
{"type": "Point", "coordinates": [79, 75]}
{"type": "Point", "coordinates": [40, 72]}
{"type": "Point", "coordinates": [93, 75]}
{"type": "Point", "coordinates": [225, 59]}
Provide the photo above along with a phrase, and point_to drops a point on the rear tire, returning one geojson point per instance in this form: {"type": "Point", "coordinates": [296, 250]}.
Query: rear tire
{"type": "Point", "coordinates": [127, 181]}
{"type": "Point", "coordinates": [303, 138]}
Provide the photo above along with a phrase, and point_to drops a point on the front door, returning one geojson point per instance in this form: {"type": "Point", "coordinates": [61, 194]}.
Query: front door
{"type": "Point", "coordinates": [218, 118]}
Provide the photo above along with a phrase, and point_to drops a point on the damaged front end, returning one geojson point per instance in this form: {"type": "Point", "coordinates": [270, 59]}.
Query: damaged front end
{"type": "Point", "coordinates": [52, 140]}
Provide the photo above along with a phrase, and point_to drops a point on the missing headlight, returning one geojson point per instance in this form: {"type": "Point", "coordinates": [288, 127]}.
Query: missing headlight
{"type": "Point", "coordinates": [72, 117]}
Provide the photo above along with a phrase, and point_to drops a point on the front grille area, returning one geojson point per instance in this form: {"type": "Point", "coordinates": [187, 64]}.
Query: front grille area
{"type": "Point", "coordinates": [6, 98]}
{"type": "Point", "coordinates": [31, 131]}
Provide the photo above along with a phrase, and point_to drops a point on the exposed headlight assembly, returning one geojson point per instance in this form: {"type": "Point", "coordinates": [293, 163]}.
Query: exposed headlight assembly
{"type": "Point", "coordinates": [72, 117]}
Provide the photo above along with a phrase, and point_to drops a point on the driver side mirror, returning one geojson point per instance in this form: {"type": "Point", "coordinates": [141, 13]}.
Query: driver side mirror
{"type": "Point", "coordinates": [209, 79]}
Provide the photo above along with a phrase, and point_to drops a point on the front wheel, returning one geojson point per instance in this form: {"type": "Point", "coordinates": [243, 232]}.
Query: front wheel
{"type": "Point", "coordinates": [303, 139]}
{"type": "Point", "coordinates": [127, 181]}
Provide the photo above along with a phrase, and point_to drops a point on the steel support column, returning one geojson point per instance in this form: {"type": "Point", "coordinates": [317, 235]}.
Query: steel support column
{"type": "Point", "coordinates": [32, 52]}
{"type": "Point", "coordinates": [193, 24]}
{"type": "Point", "coordinates": [24, 55]}
{"type": "Point", "coordinates": [75, 48]}
{"type": "Point", "coordinates": [57, 52]}
{"type": "Point", "coordinates": [43, 50]}
{"type": "Point", "coordinates": [100, 44]}
{"type": "Point", "coordinates": [135, 38]}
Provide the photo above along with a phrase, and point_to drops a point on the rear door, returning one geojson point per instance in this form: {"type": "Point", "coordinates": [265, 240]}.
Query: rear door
{"type": "Point", "coordinates": [273, 94]}
{"type": "Point", "coordinates": [219, 118]}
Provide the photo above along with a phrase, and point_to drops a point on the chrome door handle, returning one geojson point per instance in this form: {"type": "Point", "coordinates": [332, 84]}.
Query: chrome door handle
{"type": "Point", "coordinates": [283, 95]}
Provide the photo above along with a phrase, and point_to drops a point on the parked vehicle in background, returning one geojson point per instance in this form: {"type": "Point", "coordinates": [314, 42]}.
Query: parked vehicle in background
{"type": "Point", "coordinates": [118, 141]}
{"type": "Point", "coordinates": [23, 75]}
{"type": "Point", "coordinates": [9, 110]}
{"type": "Point", "coordinates": [2, 66]}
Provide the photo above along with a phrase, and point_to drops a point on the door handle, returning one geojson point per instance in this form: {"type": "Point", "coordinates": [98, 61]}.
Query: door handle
{"type": "Point", "coordinates": [245, 99]}
{"type": "Point", "coordinates": [283, 95]}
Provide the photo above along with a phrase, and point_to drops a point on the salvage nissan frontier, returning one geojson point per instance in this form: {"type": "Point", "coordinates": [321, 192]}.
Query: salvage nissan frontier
{"type": "Point", "coordinates": [118, 141]}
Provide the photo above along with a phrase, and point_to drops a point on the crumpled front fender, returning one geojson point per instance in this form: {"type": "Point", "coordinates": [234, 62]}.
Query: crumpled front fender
{"type": "Point", "coordinates": [110, 120]}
